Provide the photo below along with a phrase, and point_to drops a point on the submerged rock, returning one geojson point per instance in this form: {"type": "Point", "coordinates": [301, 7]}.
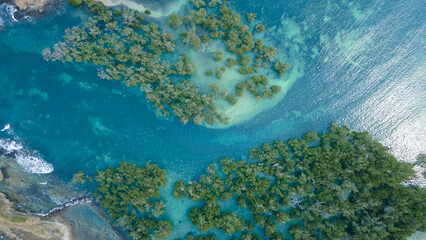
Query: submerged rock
{"type": "Point", "coordinates": [31, 4]}
{"type": "Point", "coordinates": [16, 11]}
{"type": "Point", "coordinates": [34, 206]}
{"type": "Point", "coordinates": [36, 193]}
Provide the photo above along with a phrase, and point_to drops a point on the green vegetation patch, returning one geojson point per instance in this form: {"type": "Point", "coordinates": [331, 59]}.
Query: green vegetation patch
{"type": "Point", "coordinates": [260, 28]}
{"type": "Point", "coordinates": [251, 17]}
{"type": "Point", "coordinates": [338, 185]}
{"type": "Point", "coordinates": [79, 177]}
{"type": "Point", "coordinates": [124, 46]}
{"type": "Point", "coordinates": [281, 67]}
{"type": "Point", "coordinates": [341, 184]}
{"type": "Point", "coordinates": [175, 20]}
{"type": "Point", "coordinates": [258, 86]}
{"type": "Point", "coordinates": [132, 198]}
{"type": "Point", "coordinates": [75, 3]}
{"type": "Point", "coordinates": [218, 55]}
{"type": "Point", "coordinates": [18, 219]}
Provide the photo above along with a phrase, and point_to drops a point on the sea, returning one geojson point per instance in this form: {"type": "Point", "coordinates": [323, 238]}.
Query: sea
{"type": "Point", "coordinates": [360, 63]}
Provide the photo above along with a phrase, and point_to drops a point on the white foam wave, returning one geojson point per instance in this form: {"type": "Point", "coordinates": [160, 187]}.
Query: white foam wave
{"type": "Point", "coordinates": [7, 126]}
{"type": "Point", "coordinates": [29, 159]}
{"type": "Point", "coordinates": [10, 10]}
{"type": "Point", "coordinates": [33, 164]}
{"type": "Point", "coordinates": [72, 202]}
{"type": "Point", "coordinates": [10, 145]}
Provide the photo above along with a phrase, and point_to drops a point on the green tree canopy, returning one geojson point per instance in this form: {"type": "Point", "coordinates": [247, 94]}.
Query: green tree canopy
{"type": "Point", "coordinates": [131, 196]}
{"type": "Point", "coordinates": [337, 185]}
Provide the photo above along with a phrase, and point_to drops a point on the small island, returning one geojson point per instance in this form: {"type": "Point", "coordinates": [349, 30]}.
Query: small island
{"type": "Point", "coordinates": [336, 185]}
{"type": "Point", "coordinates": [127, 45]}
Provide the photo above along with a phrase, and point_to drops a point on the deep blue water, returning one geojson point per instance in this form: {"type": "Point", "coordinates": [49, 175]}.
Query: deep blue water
{"type": "Point", "coordinates": [363, 65]}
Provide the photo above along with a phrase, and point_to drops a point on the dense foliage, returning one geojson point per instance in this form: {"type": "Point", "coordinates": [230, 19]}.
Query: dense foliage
{"type": "Point", "coordinates": [337, 185]}
{"type": "Point", "coordinates": [258, 86]}
{"type": "Point", "coordinates": [125, 46]}
{"type": "Point", "coordinates": [131, 196]}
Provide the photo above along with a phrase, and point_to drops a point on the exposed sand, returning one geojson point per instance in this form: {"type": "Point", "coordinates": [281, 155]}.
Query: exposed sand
{"type": "Point", "coordinates": [172, 7]}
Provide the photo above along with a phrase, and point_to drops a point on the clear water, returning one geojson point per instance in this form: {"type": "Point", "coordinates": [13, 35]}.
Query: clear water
{"type": "Point", "coordinates": [362, 63]}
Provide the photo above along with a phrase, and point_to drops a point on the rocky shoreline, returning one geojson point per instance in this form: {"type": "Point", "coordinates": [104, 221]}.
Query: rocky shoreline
{"type": "Point", "coordinates": [22, 9]}
{"type": "Point", "coordinates": [18, 224]}
{"type": "Point", "coordinates": [36, 206]}
{"type": "Point", "coordinates": [31, 5]}
{"type": "Point", "coordinates": [15, 224]}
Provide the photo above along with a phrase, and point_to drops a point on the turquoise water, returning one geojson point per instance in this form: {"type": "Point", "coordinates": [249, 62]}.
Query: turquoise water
{"type": "Point", "coordinates": [359, 63]}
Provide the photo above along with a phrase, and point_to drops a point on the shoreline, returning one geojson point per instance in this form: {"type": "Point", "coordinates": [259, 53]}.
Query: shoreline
{"type": "Point", "coordinates": [15, 224]}
{"type": "Point", "coordinates": [20, 219]}
{"type": "Point", "coordinates": [31, 8]}
{"type": "Point", "coordinates": [156, 13]}
{"type": "Point", "coordinates": [31, 5]}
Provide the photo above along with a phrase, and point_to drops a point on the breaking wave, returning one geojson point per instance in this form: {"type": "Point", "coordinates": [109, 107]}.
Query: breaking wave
{"type": "Point", "coordinates": [33, 163]}
{"type": "Point", "coordinates": [10, 145]}
{"type": "Point", "coordinates": [6, 127]}
{"type": "Point", "coordinates": [8, 11]}
{"type": "Point", "coordinates": [70, 203]}
{"type": "Point", "coordinates": [30, 160]}
{"type": "Point", "coordinates": [9, 16]}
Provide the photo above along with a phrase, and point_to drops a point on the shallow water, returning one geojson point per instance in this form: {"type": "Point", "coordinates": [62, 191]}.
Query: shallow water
{"type": "Point", "coordinates": [359, 63]}
{"type": "Point", "coordinates": [80, 216]}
